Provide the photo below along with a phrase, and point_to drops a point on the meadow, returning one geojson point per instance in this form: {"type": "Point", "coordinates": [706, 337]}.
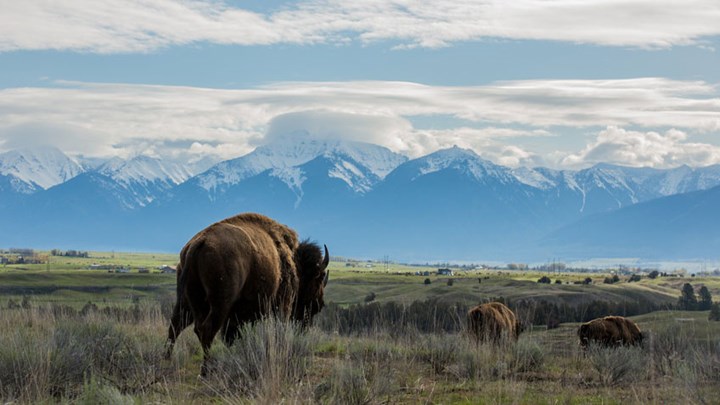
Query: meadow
{"type": "Point", "coordinates": [74, 335]}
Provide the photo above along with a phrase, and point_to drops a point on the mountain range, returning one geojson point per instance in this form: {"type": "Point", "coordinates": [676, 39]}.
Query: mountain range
{"type": "Point", "coordinates": [364, 200]}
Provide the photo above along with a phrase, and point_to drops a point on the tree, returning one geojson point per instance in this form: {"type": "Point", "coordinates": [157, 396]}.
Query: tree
{"type": "Point", "coordinates": [611, 280]}
{"type": "Point", "coordinates": [653, 274]}
{"type": "Point", "coordinates": [687, 300]}
{"type": "Point", "coordinates": [714, 312]}
{"type": "Point", "coordinates": [705, 301]}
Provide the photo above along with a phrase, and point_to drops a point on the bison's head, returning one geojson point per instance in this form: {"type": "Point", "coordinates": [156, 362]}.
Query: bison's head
{"type": "Point", "coordinates": [311, 267]}
{"type": "Point", "coordinates": [584, 334]}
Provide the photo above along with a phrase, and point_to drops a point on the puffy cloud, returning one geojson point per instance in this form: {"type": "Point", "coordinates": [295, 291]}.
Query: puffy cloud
{"type": "Point", "coordinates": [106, 26]}
{"type": "Point", "coordinates": [644, 149]}
{"type": "Point", "coordinates": [324, 124]}
{"type": "Point", "coordinates": [120, 119]}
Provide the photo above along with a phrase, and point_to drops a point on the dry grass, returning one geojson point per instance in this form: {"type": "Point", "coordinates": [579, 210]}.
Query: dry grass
{"type": "Point", "coordinates": [116, 357]}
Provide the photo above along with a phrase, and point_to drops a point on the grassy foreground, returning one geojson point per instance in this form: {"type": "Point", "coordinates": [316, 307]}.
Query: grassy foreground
{"type": "Point", "coordinates": [74, 335]}
{"type": "Point", "coordinates": [59, 355]}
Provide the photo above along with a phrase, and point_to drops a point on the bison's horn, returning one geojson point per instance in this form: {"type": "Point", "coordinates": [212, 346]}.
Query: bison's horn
{"type": "Point", "coordinates": [326, 260]}
{"type": "Point", "coordinates": [327, 276]}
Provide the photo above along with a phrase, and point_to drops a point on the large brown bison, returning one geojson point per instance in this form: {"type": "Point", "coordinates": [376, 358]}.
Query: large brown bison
{"type": "Point", "coordinates": [493, 322]}
{"type": "Point", "coordinates": [610, 331]}
{"type": "Point", "coordinates": [241, 269]}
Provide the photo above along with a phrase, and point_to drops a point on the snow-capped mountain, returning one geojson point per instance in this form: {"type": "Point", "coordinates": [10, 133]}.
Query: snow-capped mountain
{"type": "Point", "coordinates": [41, 167]}
{"type": "Point", "coordinates": [282, 156]}
{"type": "Point", "coordinates": [143, 178]}
{"type": "Point", "coordinates": [365, 200]}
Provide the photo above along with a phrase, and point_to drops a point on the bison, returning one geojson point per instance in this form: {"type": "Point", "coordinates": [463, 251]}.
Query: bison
{"type": "Point", "coordinates": [243, 268]}
{"type": "Point", "coordinates": [493, 322]}
{"type": "Point", "coordinates": [610, 331]}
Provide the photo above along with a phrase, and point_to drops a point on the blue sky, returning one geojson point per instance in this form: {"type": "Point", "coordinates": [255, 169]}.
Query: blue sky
{"type": "Point", "coordinates": [560, 83]}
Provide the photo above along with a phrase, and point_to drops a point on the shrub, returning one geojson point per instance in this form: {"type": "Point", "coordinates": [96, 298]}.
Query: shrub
{"type": "Point", "coordinates": [450, 282]}
{"type": "Point", "coordinates": [438, 351]}
{"type": "Point", "coordinates": [370, 297]}
{"type": "Point", "coordinates": [427, 281]}
{"type": "Point", "coordinates": [714, 312]}
{"type": "Point", "coordinates": [355, 383]}
{"type": "Point", "coordinates": [544, 280]}
{"type": "Point", "coordinates": [266, 357]}
{"type": "Point", "coordinates": [617, 365]}
{"type": "Point", "coordinates": [527, 356]}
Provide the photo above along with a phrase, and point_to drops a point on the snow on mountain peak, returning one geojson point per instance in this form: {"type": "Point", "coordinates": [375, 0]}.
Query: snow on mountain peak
{"type": "Point", "coordinates": [142, 169]}
{"type": "Point", "coordinates": [43, 166]}
{"type": "Point", "coordinates": [463, 160]}
{"type": "Point", "coordinates": [279, 155]}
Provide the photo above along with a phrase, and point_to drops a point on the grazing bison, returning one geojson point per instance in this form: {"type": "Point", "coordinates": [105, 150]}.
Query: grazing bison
{"type": "Point", "coordinates": [493, 322]}
{"type": "Point", "coordinates": [610, 331]}
{"type": "Point", "coordinates": [241, 269]}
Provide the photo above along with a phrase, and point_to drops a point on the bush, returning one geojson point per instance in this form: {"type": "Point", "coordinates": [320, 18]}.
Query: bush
{"type": "Point", "coordinates": [427, 281]}
{"type": "Point", "coordinates": [544, 280]}
{"type": "Point", "coordinates": [354, 384]}
{"type": "Point", "coordinates": [714, 312]}
{"type": "Point", "coordinates": [268, 356]}
{"type": "Point", "coordinates": [370, 297]}
{"type": "Point", "coordinates": [617, 365]}
{"type": "Point", "coordinates": [527, 356]}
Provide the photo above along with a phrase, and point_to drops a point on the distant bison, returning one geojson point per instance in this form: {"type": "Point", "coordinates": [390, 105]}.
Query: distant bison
{"type": "Point", "coordinates": [610, 331]}
{"type": "Point", "coordinates": [493, 322]}
{"type": "Point", "coordinates": [241, 269]}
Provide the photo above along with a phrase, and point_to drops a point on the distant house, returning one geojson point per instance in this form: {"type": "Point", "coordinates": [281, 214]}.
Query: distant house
{"type": "Point", "coordinates": [444, 272]}
{"type": "Point", "coordinates": [165, 269]}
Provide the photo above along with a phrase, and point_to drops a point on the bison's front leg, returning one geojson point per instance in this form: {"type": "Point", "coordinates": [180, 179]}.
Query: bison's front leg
{"type": "Point", "coordinates": [181, 319]}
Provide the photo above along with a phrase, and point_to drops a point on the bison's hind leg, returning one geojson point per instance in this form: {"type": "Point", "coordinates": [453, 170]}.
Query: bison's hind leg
{"type": "Point", "coordinates": [181, 319]}
{"type": "Point", "coordinates": [207, 328]}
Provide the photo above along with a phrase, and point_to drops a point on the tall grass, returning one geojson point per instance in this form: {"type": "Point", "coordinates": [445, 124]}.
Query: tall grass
{"type": "Point", "coordinates": [115, 355]}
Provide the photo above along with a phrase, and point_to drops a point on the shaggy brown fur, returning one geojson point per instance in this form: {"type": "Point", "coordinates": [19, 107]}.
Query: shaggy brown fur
{"type": "Point", "coordinates": [610, 331]}
{"type": "Point", "coordinates": [240, 269]}
{"type": "Point", "coordinates": [493, 322]}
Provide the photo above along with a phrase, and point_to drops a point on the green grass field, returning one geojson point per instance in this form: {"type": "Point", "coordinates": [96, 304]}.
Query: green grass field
{"type": "Point", "coordinates": [115, 356]}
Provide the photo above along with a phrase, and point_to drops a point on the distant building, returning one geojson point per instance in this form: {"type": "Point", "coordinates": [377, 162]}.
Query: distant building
{"type": "Point", "coordinates": [167, 269]}
{"type": "Point", "coordinates": [445, 272]}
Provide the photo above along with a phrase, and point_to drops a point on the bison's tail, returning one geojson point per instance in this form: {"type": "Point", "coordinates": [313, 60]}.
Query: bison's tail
{"type": "Point", "coordinates": [187, 265]}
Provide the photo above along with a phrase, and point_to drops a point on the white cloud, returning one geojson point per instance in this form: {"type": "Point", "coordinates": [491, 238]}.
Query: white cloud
{"type": "Point", "coordinates": [105, 26]}
{"type": "Point", "coordinates": [644, 149]}
{"type": "Point", "coordinates": [324, 124]}
{"type": "Point", "coordinates": [118, 119]}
